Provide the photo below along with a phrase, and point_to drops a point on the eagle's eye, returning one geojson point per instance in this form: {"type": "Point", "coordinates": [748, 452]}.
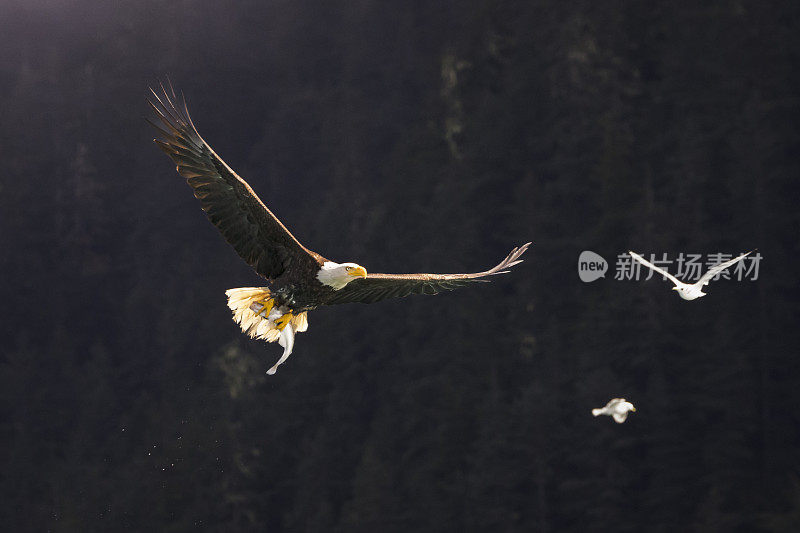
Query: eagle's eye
{"type": "Point", "coordinates": [348, 269]}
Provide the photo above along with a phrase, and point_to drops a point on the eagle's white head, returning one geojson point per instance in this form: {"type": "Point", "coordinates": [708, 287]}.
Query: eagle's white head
{"type": "Point", "coordinates": [337, 275]}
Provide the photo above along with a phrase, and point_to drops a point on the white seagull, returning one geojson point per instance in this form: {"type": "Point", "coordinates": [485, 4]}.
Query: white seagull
{"type": "Point", "coordinates": [618, 408]}
{"type": "Point", "coordinates": [694, 291]}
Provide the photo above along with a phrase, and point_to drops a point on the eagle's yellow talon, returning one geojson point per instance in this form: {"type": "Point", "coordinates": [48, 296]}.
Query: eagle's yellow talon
{"type": "Point", "coordinates": [282, 321]}
{"type": "Point", "coordinates": [266, 305]}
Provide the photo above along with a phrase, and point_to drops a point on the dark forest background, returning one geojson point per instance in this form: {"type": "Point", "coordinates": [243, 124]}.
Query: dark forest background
{"type": "Point", "coordinates": [406, 136]}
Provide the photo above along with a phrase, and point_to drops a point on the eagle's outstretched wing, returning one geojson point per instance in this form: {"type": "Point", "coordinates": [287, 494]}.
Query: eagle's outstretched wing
{"type": "Point", "coordinates": [377, 287]}
{"type": "Point", "coordinates": [231, 205]}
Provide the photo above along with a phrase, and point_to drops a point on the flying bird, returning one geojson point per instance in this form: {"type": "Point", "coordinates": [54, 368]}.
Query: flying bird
{"type": "Point", "coordinates": [617, 408]}
{"type": "Point", "coordinates": [299, 279]}
{"type": "Point", "coordinates": [695, 290]}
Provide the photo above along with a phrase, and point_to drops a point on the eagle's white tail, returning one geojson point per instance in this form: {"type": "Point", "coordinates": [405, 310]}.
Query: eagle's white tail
{"type": "Point", "coordinates": [254, 311]}
{"type": "Point", "coordinates": [597, 412]}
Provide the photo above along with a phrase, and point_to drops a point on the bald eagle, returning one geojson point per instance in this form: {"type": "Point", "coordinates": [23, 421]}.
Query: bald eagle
{"type": "Point", "coordinates": [299, 280]}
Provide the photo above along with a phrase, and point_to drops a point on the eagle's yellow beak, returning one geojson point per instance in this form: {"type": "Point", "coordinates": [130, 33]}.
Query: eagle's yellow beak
{"type": "Point", "coordinates": [633, 409]}
{"type": "Point", "coordinates": [359, 272]}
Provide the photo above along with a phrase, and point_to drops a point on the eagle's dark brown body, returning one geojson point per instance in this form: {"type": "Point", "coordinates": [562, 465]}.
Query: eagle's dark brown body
{"type": "Point", "coordinates": [301, 297]}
